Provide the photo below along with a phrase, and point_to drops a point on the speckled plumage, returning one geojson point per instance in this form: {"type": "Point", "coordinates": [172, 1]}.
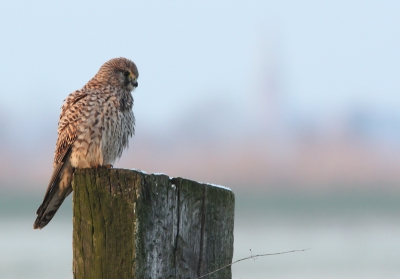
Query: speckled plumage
{"type": "Point", "coordinates": [94, 128]}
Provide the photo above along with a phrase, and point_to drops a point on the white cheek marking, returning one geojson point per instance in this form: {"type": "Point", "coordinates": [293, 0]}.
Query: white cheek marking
{"type": "Point", "coordinates": [130, 87]}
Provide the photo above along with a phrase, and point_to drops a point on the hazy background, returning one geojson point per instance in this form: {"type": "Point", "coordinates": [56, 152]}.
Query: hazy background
{"type": "Point", "coordinates": [294, 105]}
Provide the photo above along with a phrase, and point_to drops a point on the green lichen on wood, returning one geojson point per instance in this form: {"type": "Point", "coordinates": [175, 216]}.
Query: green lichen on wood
{"type": "Point", "coordinates": [132, 225]}
{"type": "Point", "coordinates": [103, 241]}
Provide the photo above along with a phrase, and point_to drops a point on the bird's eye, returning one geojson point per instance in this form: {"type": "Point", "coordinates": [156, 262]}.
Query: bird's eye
{"type": "Point", "coordinates": [126, 73]}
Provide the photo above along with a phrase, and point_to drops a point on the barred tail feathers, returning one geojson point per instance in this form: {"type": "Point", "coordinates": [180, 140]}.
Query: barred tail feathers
{"type": "Point", "coordinates": [59, 188]}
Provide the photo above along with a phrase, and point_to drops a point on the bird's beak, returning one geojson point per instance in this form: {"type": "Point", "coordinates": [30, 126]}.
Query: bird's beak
{"type": "Point", "coordinates": [133, 80]}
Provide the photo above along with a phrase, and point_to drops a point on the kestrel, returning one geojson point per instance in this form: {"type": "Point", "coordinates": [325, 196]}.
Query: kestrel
{"type": "Point", "coordinates": [94, 128]}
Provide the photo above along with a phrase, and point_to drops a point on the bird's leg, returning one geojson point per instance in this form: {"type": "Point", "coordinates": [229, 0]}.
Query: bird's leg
{"type": "Point", "coordinates": [109, 166]}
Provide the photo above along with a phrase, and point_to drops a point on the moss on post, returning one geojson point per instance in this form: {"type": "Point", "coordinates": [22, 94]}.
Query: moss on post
{"type": "Point", "coordinates": [133, 225]}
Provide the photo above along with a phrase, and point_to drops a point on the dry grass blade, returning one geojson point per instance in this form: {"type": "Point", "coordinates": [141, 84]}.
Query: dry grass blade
{"type": "Point", "coordinates": [252, 257]}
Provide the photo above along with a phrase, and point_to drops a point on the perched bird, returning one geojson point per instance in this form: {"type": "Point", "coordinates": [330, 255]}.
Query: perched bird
{"type": "Point", "coordinates": [94, 128]}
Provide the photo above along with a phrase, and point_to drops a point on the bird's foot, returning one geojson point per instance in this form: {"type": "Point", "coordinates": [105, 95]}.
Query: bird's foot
{"type": "Point", "coordinates": [109, 166]}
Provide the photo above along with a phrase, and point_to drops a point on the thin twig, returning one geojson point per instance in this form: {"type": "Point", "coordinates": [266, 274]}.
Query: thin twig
{"type": "Point", "coordinates": [252, 257]}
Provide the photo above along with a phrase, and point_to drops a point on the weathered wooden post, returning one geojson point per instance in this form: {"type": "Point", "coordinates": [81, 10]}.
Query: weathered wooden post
{"type": "Point", "coordinates": [128, 224]}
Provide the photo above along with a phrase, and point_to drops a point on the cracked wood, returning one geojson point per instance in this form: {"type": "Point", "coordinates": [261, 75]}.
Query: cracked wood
{"type": "Point", "coordinates": [128, 224]}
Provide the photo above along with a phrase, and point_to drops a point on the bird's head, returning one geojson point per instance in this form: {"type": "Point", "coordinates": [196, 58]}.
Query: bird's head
{"type": "Point", "coordinates": [119, 72]}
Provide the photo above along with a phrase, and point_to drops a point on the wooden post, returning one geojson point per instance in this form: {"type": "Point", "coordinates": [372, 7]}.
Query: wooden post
{"type": "Point", "coordinates": [128, 224]}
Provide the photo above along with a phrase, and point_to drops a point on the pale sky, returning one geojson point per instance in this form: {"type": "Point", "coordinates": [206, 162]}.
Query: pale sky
{"type": "Point", "coordinates": [327, 55]}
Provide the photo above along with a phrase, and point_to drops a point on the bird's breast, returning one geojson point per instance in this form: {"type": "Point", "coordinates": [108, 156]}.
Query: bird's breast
{"type": "Point", "coordinates": [103, 133]}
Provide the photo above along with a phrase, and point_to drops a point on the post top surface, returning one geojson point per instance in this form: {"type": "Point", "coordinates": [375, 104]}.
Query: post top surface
{"type": "Point", "coordinates": [170, 177]}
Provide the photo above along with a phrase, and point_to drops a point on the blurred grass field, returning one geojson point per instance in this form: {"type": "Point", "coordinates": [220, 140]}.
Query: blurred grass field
{"type": "Point", "coordinates": [350, 235]}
